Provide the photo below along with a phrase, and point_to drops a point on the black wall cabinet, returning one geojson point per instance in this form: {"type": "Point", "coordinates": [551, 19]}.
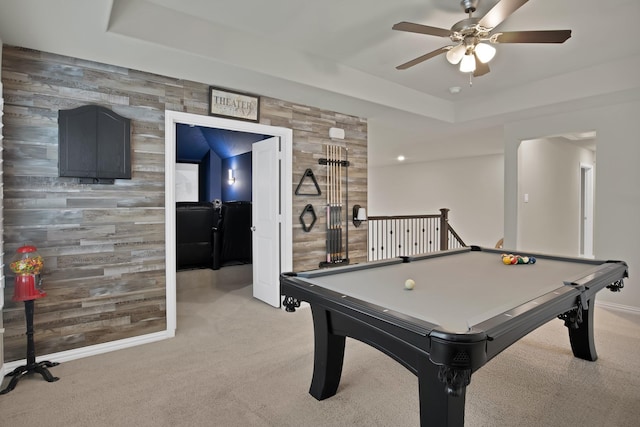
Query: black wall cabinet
{"type": "Point", "coordinates": [94, 144]}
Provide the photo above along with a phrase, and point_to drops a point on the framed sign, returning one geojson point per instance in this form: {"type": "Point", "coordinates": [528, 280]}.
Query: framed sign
{"type": "Point", "coordinates": [225, 103]}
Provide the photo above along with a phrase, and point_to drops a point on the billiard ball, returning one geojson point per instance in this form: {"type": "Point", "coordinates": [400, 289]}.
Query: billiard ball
{"type": "Point", "coordinates": [409, 284]}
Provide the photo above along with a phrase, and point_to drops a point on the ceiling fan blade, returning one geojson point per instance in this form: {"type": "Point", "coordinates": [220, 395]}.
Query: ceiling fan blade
{"type": "Point", "coordinates": [423, 58]}
{"type": "Point", "coordinates": [481, 69]}
{"type": "Point", "coordinates": [542, 36]}
{"type": "Point", "coordinates": [421, 29]}
{"type": "Point", "coordinates": [500, 12]}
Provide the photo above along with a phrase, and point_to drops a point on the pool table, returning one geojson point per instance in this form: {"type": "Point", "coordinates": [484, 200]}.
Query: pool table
{"type": "Point", "coordinates": [466, 307]}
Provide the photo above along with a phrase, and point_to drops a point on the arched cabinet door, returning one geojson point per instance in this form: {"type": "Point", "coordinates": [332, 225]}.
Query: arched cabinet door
{"type": "Point", "coordinates": [94, 144]}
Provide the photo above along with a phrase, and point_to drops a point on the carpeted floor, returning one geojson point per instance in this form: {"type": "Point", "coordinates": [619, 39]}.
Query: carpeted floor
{"type": "Point", "coordinates": [238, 362]}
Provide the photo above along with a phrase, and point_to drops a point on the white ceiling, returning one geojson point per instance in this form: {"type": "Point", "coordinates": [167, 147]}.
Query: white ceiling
{"type": "Point", "coordinates": [341, 55]}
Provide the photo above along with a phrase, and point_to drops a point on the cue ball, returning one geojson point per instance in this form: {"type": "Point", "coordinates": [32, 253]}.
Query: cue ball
{"type": "Point", "coordinates": [409, 284]}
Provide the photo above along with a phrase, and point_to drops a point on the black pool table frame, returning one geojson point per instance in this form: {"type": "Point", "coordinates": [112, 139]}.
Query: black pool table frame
{"type": "Point", "coordinates": [443, 361]}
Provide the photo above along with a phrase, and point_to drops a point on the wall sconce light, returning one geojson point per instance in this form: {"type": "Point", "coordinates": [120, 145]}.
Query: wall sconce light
{"type": "Point", "coordinates": [232, 178]}
{"type": "Point", "coordinates": [359, 215]}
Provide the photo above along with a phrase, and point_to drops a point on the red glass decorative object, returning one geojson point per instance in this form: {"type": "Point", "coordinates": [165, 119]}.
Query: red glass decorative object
{"type": "Point", "coordinates": [27, 265]}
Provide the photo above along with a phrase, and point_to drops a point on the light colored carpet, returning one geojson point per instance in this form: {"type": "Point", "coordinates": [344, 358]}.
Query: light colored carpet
{"type": "Point", "coordinates": [238, 362]}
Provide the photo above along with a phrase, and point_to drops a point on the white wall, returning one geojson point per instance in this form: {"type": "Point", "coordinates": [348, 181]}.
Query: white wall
{"type": "Point", "coordinates": [472, 187]}
{"type": "Point", "coordinates": [549, 178]}
{"type": "Point", "coordinates": [476, 189]}
{"type": "Point", "coordinates": [617, 184]}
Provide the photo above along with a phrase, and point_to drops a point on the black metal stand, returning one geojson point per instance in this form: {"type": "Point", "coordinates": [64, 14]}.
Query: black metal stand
{"type": "Point", "coordinates": [31, 366]}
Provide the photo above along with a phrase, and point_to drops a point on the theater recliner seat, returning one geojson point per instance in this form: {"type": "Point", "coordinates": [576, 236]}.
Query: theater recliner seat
{"type": "Point", "coordinates": [195, 222]}
{"type": "Point", "coordinates": [233, 236]}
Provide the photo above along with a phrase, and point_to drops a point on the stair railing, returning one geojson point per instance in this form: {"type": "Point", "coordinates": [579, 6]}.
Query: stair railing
{"type": "Point", "coordinates": [406, 235]}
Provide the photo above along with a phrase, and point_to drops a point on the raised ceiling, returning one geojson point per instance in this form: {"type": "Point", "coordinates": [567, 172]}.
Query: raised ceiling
{"type": "Point", "coordinates": [341, 55]}
{"type": "Point", "coordinates": [194, 142]}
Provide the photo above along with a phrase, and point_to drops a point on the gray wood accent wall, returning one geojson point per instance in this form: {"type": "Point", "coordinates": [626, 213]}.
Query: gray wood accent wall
{"type": "Point", "coordinates": [103, 245]}
{"type": "Point", "coordinates": [310, 137]}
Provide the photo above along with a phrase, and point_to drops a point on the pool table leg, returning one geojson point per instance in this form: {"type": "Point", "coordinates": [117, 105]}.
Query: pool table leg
{"type": "Point", "coordinates": [581, 333]}
{"type": "Point", "coordinates": [328, 356]}
{"type": "Point", "coordinates": [437, 407]}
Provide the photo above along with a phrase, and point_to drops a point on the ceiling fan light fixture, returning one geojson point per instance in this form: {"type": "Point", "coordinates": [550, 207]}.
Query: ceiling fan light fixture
{"type": "Point", "coordinates": [455, 54]}
{"type": "Point", "coordinates": [485, 52]}
{"type": "Point", "coordinates": [468, 63]}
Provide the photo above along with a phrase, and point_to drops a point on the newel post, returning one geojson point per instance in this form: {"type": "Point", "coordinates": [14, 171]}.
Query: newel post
{"type": "Point", "coordinates": [444, 229]}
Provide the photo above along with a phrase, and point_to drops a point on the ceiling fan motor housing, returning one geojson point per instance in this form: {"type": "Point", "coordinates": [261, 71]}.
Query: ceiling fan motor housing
{"type": "Point", "coordinates": [468, 27]}
{"type": "Point", "coordinates": [469, 6]}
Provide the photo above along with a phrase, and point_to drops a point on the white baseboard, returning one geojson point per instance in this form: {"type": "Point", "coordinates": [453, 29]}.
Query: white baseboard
{"type": "Point", "coordinates": [92, 350]}
{"type": "Point", "coordinates": [618, 307]}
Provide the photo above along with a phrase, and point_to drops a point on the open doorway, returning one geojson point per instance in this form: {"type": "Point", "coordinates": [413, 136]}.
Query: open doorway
{"type": "Point", "coordinates": [282, 209]}
{"type": "Point", "coordinates": [214, 195]}
{"type": "Point", "coordinates": [556, 193]}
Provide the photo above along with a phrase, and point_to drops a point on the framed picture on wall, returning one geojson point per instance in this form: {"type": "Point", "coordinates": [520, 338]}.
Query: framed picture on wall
{"type": "Point", "coordinates": [187, 175]}
{"type": "Point", "coordinates": [235, 105]}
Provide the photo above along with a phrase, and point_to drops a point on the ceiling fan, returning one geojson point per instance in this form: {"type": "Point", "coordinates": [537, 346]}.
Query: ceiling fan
{"type": "Point", "coordinates": [471, 35]}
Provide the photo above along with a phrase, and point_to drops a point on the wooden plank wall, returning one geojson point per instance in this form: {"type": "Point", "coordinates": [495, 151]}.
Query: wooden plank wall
{"type": "Point", "coordinates": [310, 137]}
{"type": "Point", "coordinates": [103, 245]}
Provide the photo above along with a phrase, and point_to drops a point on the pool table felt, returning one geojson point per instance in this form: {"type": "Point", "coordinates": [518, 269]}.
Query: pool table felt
{"type": "Point", "coordinates": [454, 291]}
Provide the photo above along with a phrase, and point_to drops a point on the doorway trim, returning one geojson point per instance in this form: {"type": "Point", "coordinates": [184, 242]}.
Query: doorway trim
{"type": "Point", "coordinates": [172, 118]}
{"type": "Point", "coordinates": [586, 210]}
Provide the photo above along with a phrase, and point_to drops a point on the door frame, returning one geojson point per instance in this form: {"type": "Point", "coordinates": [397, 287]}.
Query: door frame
{"type": "Point", "coordinates": [587, 204]}
{"type": "Point", "coordinates": [172, 118]}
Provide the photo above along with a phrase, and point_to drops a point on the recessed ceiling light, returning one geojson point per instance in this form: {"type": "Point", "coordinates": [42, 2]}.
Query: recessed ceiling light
{"type": "Point", "coordinates": [401, 158]}
{"type": "Point", "coordinates": [455, 89]}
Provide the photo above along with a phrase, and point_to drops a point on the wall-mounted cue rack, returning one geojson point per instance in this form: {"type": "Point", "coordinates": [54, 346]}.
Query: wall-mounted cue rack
{"type": "Point", "coordinates": [336, 164]}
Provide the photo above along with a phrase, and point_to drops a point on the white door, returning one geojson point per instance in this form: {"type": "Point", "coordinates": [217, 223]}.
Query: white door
{"type": "Point", "coordinates": [266, 220]}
